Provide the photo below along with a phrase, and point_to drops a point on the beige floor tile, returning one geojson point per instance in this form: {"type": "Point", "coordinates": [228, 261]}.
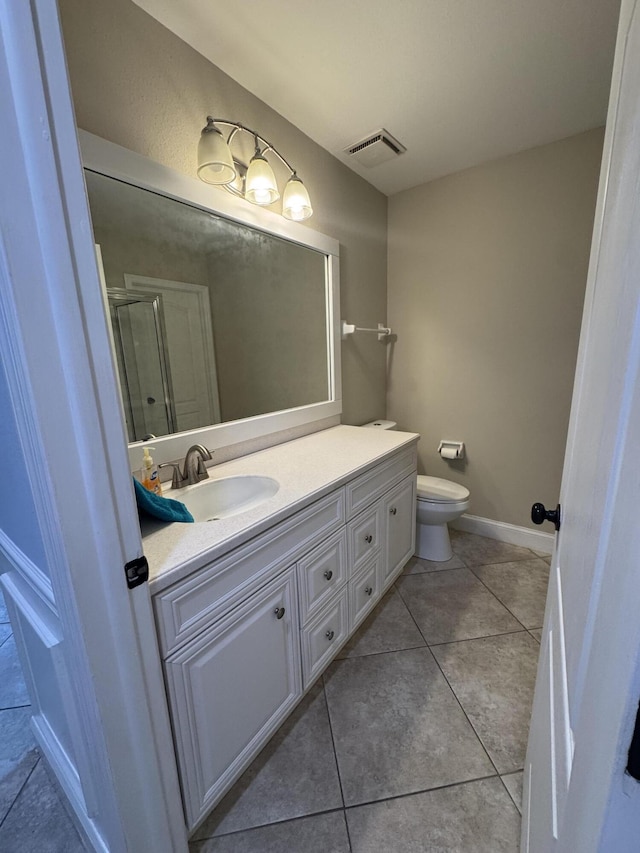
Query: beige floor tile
{"type": "Point", "coordinates": [397, 727]}
{"type": "Point", "coordinates": [389, 628]}
{"type": "Point", "coordinates": [454, 605]}
{"type": "Point", "coordinates": [493, 678]}
{"type": "Point", "coordinates": [478, 817]}
{"type": "Point", "coordinates": [520, 586]}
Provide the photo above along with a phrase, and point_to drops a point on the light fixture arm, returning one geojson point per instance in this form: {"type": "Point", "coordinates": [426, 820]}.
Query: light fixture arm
{"type": "Point", "coordinates": [268, 146]}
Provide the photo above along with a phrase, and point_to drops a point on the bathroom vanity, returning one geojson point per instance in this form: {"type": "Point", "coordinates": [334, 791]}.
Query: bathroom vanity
{"type": "Point", "coordinates": [252, 608]}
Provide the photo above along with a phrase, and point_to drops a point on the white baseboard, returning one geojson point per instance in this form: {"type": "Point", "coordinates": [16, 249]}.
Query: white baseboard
{"type": "Point", "coordinates": [537, 540]}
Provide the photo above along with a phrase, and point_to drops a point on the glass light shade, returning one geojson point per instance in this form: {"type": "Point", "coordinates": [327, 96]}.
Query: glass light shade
{"type": "Point", "coordinates": [260, 186]}
{"type": "Point", "coordinates": [215, 164]}
{"type": "Point", "coordinates": [295, 201]}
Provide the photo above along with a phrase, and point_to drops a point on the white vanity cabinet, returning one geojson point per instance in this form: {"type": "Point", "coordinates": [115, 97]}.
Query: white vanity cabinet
{"type": "Point", "coordinates": [230, 688]}
{"type": "Point", "coordinates": [243, 637]}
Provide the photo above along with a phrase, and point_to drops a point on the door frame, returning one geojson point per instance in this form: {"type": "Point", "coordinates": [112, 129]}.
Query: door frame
{"type": "Point", "coordinates": [56, 355]}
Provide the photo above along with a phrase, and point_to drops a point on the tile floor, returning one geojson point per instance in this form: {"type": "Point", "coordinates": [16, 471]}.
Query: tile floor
{"type": "Point", "coordinates": [413, 740]}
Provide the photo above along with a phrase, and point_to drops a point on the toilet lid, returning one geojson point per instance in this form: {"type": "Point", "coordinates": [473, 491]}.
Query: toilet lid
{"type": "Point", "coordinates": [435, 489]}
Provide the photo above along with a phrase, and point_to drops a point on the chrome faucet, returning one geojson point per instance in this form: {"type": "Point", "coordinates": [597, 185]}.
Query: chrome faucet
{"type": "Point", "coordinates": [194, 467]}
{"type": "Point", "coordinates": [193, 471]}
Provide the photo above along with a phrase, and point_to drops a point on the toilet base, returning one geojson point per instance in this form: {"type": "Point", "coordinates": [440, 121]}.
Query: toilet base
{"type": "Point", "coordinates": [433, 543]}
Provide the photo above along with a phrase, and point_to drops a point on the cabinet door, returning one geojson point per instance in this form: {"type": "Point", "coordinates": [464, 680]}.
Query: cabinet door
{"type": "Point", "coordinates": [230, 689]}
{"type": "Point", "coordinates": [399, 514]}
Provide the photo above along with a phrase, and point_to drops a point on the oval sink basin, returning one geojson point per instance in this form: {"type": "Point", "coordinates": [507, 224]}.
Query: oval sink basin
{"type": "Point", "coordinates": [216, 499]}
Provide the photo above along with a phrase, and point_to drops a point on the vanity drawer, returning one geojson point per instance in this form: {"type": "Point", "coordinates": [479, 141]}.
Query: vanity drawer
{"type": "Point", "coordinates": [183, 610]}
{"type": "Point", "coordinates": [364, 592]}
{"type": "Point", "coordinates": [368, 487]}
{"type": "Point", "coordinates": [323, 636]}
{"type": "Point", "coordinates": [363, 537]}
{"type": "Point", "coordinates": [321, 574]}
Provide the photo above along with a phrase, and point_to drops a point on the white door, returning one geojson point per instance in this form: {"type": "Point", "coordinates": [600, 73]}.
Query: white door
{"type": "Point", "coordinates": [190, 349]}
{"type": "Point", "coordinates": [577, 797]}
{"type": "Point", "coordinates": [67, 516]}
{"type": "Point", "coordinates": [143, 370]}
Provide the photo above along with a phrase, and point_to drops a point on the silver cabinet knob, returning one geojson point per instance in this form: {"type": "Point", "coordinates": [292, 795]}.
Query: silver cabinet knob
{"type": "Point", "coordinates": [369, 590]}
{"type": "Point", "coordinates": [330, 635]}
{"type": "Point", "coordinates": [279, 612]}
{"type": "Point", "coordinates": [368, 538]}
{"type": "Point", "coordinates": [393, 510]}
{"type": "Point", "coordinates": [328, 574]}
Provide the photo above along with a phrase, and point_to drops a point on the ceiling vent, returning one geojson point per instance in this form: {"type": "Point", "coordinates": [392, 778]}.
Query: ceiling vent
{"type": "Point", "coordinates": [376, 148]}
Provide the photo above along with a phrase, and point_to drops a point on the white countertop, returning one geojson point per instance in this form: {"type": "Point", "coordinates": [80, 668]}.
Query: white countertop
{"type": "Point", "coordinates": [306, 469]}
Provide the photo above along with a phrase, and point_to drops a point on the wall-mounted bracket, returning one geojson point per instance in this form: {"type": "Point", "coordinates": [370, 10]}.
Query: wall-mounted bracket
{"type": "Point", "coordinates": [383, 332]}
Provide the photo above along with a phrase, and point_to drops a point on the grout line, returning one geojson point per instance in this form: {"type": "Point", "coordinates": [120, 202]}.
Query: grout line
{"type": "Point", "coordinates": [497, 562]}
{"type": "Point", "coordinates": [22, 787]}
{"type": "Point", "coordinates": [481, 637]}
{"type": "Point", "coordinates": [335, 755]}
{"type": "Point", "coordinates": [15, 707]}
{"type": "Point", "coordinates": [518, 807]}
{"type": "Point", "coordinates": [266, 825]}
{"type": "Point", "coordinates": [346, 826]}
{"type": "Point", "coordinates": [498, 599]}
{"type": "Point", "coordinates": [383, 652]}
{"type": "Point", "coordinates": [473, 728]}
{"type": "Point", "coordinates": [404, 574]}
{"type": "Point", "coordinates": [473, 565]}
{"type": "Point", "coordinates": [426, 791]}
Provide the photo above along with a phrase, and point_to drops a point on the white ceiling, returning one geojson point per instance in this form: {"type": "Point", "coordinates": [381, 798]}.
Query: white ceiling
{"type": "Point", "coordinates": [459, 82]}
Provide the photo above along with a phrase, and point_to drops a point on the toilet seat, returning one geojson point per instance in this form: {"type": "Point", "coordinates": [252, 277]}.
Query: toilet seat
{"type": "Point", "coordinates": [437, 490]}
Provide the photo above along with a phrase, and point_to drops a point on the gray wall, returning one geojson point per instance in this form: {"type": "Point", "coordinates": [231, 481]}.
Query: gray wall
{"type": "Point", "coordinates": [487, 270]}
{"type": "Point", "coordinates": [138, 85]}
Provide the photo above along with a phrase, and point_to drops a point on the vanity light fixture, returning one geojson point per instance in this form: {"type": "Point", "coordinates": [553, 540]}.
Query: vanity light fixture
{"type": "Point", "coordinates": [255, 182]}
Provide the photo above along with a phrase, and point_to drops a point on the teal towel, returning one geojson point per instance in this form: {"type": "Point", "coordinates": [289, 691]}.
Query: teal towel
{"type": "Point", "coordinates": [163, 508]}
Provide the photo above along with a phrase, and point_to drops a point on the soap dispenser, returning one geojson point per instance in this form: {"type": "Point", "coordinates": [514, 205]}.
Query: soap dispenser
{"type": "Point", "coordinates": [150, 475]}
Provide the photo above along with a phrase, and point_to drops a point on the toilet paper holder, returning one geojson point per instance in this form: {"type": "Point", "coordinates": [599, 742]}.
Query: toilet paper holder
{"type": "Point", "coordinates": [451, 449]}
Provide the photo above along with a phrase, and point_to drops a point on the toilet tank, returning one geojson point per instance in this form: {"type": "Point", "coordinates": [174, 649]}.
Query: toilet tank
{"type": "Point", "coordinates": [380, 424]}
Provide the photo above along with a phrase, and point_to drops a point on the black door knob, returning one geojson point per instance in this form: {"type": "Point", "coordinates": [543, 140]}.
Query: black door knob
{"type": "Point", "coordinates": [539, 514]}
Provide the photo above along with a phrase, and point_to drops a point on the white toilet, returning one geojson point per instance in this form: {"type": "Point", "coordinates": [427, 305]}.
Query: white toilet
{"type": "Point", "coordinates": [438, 502]}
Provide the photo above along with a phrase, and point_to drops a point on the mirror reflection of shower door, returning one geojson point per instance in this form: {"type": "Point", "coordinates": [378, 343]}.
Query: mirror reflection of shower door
{"type": "Point", "coordinates": [190, 348]}
{"type": "Point", "coordinates": [140, 343]}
